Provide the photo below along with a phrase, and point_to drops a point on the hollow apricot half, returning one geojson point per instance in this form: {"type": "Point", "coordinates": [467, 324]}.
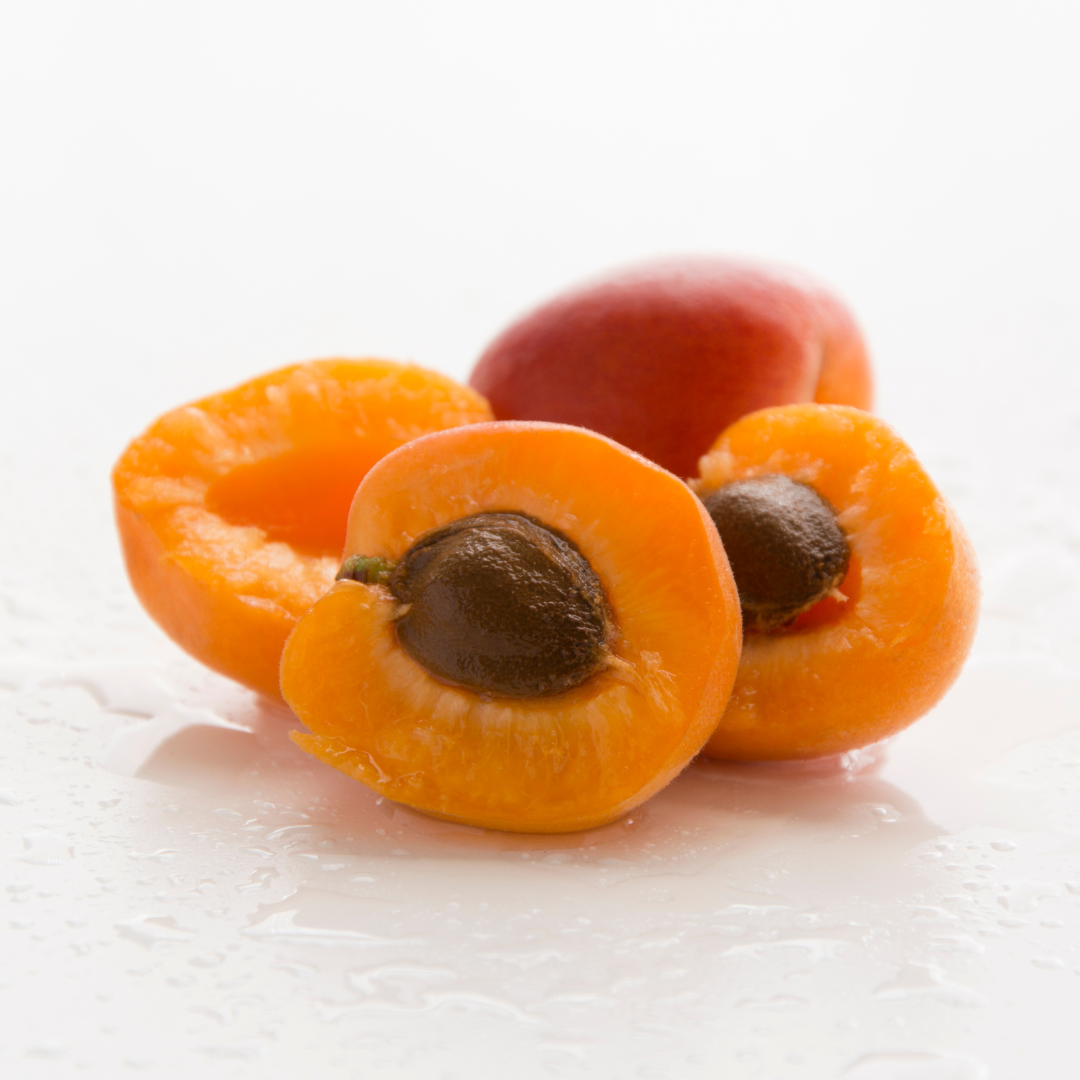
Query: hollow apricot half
{"type": "Point", "coordinates": [549, 762]}
{"type": "Point", "coordinates": [881, 649]}
{"type": "Point", "coordinates": [232, 510]}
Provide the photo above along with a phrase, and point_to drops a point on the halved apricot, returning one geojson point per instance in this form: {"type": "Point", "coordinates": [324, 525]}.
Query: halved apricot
{"type": "Point", "coordinates": [897, 615]}
{"type": "Point", "coordinates": [232, 510]}
{"type": "Point", "coordinates": [589, 624]}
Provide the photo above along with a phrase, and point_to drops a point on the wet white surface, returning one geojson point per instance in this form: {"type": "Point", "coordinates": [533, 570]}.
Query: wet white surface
{"type": "Point", "coordinates": [196, 197]}
{"type": "Point", "coordinates": [185, 888]}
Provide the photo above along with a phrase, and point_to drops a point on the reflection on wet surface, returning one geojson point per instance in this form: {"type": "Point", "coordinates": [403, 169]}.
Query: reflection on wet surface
{"type": "Point", "coordinates": [884, 897]}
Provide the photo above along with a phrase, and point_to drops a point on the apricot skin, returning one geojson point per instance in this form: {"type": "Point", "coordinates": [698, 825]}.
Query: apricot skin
{"type": "Point", "coordinates": [873, 665]}
{"type": "Point", "coordinates": [542, 764]}
{"type": "Point", "coordinates": [664, 356]}
{"type": "Point", "coordinates": [232, 510]}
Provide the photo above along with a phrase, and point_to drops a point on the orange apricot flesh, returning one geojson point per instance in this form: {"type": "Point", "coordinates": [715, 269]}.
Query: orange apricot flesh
{"type": "Point", "coordinates": [854, 670]}
{"type": "Point", "coordinates": [541, 764]}
{"type": "Point", "coordinates": [232, 510]}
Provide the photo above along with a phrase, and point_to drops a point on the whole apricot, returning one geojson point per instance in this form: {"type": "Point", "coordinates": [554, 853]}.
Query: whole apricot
{"type": "Point", "coordinates": [662, 357]}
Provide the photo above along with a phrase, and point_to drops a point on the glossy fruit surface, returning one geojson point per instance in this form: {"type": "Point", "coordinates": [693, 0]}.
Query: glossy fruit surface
{"type": "Point", "coordinates": [544, 763]}
{"type": "Point", "coordinates": [849, 672]}
{"type": "Point", "coordinates": [232, 510]}
{"type": "Point", "coordinates": [664, 356]}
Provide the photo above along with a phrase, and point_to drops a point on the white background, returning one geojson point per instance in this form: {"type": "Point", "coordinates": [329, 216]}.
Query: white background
{"type": "Point", "coordinates": [194, 193]}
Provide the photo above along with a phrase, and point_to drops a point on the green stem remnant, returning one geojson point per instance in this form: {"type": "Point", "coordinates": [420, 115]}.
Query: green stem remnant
{"type": "Point", "coordinates": [367, 569]}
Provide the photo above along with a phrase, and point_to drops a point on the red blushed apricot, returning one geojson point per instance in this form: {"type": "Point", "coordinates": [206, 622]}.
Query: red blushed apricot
{"type": "Point", "coordinates": [663, 357]}
{"type": "Point", "coordinates": [518, 757]}
{"type": "Point", "coordinates": [232, 509]}
{"type": "Point", "coordinates": [858, 667]}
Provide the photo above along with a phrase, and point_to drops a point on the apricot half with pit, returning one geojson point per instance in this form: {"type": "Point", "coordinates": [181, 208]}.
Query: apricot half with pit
{"type": "Point", "coordinates": [858, 584]}
{"type": "Point", "coordinates": [664, 356]}
{"type": "Point", "coordinates": [535, 629]}
{"type": "Point", "coordinates": [232, 510]}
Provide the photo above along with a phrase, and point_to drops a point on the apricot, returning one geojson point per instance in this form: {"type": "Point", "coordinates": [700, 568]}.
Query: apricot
{"type": "Point", "coordinates": [232, 510]}
{"type": "Point", "coordinates": [535, 630]}
{"type": "Point", "coordinates": [664, 356]}
{"type": "Point", "coordinates": [856, 641]}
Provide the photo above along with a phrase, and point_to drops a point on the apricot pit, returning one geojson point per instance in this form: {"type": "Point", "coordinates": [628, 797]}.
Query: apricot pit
{"type": "Point", "coordinates": [501, 604]}
{"type": "Point", "coordinates": [784, 545]}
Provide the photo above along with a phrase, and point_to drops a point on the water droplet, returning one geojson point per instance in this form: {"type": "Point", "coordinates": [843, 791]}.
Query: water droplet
{"type": "Point", "coordinates": [209, 960]}
{"type": "Point", "coordinates": [289, 831]}
{"type": "Point", "coordinates": [657, 939]}
{"type": "Point", "coordinates": [162, 855]}
{"type": "Point", "coordinates": [151, 930]}
{"type": "Point", "coordinates": [312, 914]}
{"type": "Point", "coordinates": [530, 958]}
{"type": "Point", "coordinates": [236, 1051]}
{"type": "Point", "coordinates": [1023, 896]}
{"type": "Point", "coordinates": [780, 1003]}
{"type": "Point", "coordinates": [405, 984]}
{"type": "Point", "coordinates": [817, 948]}
{"type": "Point", "coordinates": [927, 981]}
{"type": "Point", "coordinates": [914, 1066]}
{"type": "Point", "coordinates": [45, 849]}
{"type": "Point", "coordinates": [475, 1003]}
{"type": "Point", "coordinates": [46, 1051]}
{"type": "Point", "coordinates": [956, 943]}
{"type": "Point", "coordinates": [1048, 963]}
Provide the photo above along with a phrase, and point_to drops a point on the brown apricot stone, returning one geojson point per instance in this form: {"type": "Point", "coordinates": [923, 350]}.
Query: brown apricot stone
{"type": "Point", "coordinates": [785, 548]}
{"type": "Point", "coordinates": [856, 667]}
{"type": "Point", "coordinates": [502, 604]}
{"type": "Point", "coordinates": [625, 551]}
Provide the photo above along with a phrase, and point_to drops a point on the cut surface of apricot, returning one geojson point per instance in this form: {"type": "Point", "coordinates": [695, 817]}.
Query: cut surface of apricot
{"type": "Point", "coordinates": [885, 645]}
{"type": "Point", "coordinates": [548, 762]}
{"type": "Point", "coordinates": [232, 510]}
